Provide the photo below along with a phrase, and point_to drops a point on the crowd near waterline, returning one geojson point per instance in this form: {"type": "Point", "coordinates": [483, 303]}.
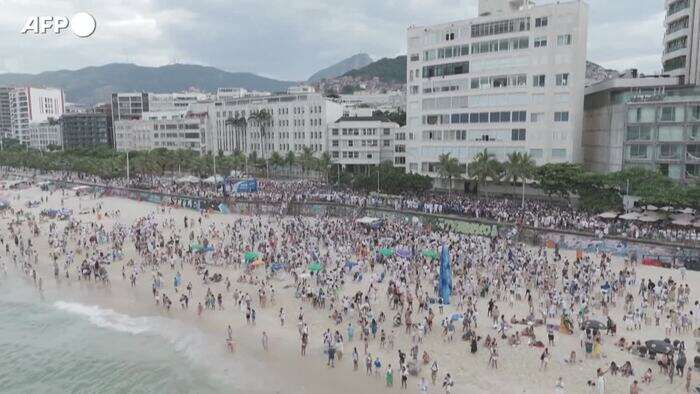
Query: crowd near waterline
{"type": "Point", "coordinates": [368, 299]}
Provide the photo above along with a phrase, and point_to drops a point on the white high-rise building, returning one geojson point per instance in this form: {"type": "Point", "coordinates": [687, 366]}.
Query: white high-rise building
{"type": "Point", "coordinates": [5, 120]}
{"type": "Point", "coordinates": [45, 134]}
{"type": "Point", "coordinates": [681, 55]}
{"type": "Point", "coordinates": [511, 80]}
{"type": "Point", "coordinates": [362, 139]}
{"type": "Point", "coordinates": [297, 120]}
{"type": "Point", "coordinates": [33, 105]}
{"type": "Point", "coordinates": [170, 130]}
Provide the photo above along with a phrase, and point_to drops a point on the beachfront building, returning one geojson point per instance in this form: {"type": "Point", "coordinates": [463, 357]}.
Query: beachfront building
{"type": "Point", "coordinates": [389, 101]}
{"type": "Point", "coordinates": [296, 121]}
{"type": "Point", "coordinates": [681, 56]}
{"type": "Point", "coordinates": [361, 139]}
{"type": "Point", "coordinates": [652, 123]}
{"type": "Point", "coordinates": [5, 120]}
{"type": "Point", "coordinates": [45, 135]}
{"type": "Point", "coordinates": [32, 105]}
{"type": "Point", "coordinates": [510, 80]}
{"type": "Point", "coordinates": [84, 130]}
{"type": "Point", "coordinates": [171, 130]}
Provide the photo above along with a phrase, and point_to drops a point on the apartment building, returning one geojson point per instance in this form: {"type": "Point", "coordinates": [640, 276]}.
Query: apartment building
{"type": "Point", "coordinates": [5, 120]}
{"type": "Point", "coordinates": [45, 134]}
{"type": "Point", "coordinates": [32, 105]}
{"type": "Point", "coordinates": [681, 56]}
{"type": "Point", "coordinates": [84, 130]}
{"type": "Point", "coordinates": [510, 80]}
{"type": "Point", "coordinates": [171, 130]}
{"type": "Point", "coordinates": [361, 139]}
{"type": "Point", "coordinates": [297, 121]}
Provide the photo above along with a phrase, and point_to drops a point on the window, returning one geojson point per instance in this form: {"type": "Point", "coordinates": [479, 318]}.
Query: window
{"type": "Point", "coordinates": [540, 42]}
{"type": "Point", "coordinates": [637, 152]}
{"type": "Point", "coordinates": [641, 115]}
{"type": "Point", "coordinates": [541, 22]}
{"type": "Point", "coordinates": [442, 70]}
{"type": "Point", "coordinates": [670, 133]}
{"type": "Point", "coordinates": [639, 133]}
{"type": "Point", "coordinates": [536, 153]}
{"type": "Point", "coordinates": [564, 39]}
{"type": "Point", "coordinates": [517, 135]}
{"type": "Point", "coordinates": [563, 79]}
{"type": "Point", "coordinates": [558, 153]}
{"type": "Point", "coordinates": [671, 114]}
{"type": "Point", "coordinates": [538, 81]}
{"type": "Point", "coordinates": [694, 113]}
{"type": "Point", "coordinates": [561, 116]}
{"type": "Point", "coordinates": [536, 117]}
{"type": "Point", "coordinates": [500, 27]}
{"type": "Point", "coordinates": [519, 116]}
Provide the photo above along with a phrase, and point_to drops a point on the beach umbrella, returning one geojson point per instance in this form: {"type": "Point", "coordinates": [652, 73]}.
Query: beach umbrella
{"type": "Point", "coordinates": [456, 317]}
{"type": "Point", "coordinates": [667, 209]}
{"type": "Point", "coordinates": [196, 247]}
{"type": "Point", "coordinates": [256, 263]}
{"type": "Point", "coordinates": [277, 266]}
{"type": "Point", "coordinates": [659, 346]}
{"type": "Point", "coordinates": [250, 256]}
{"type": "Point", "coordinates": [430, 253]}
{"type": "Point", "coordinates": [594, 324]}
{"type": "Point", "coordinates": [687, 210]}
{"type": "Point", "coordinates": [315, 267]}
{"type": "Point", "coordinates": [403, 253]}
{"type": "Point", "coordinates": [386, 252]}
{"type": "Point", "coordinates": [350, 264]}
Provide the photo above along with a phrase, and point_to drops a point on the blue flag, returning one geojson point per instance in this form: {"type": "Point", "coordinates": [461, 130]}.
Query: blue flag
{"type": "Point", "coordinates": [445, 276]}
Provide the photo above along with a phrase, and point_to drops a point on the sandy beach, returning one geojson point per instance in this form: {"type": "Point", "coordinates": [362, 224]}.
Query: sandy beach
{"type": "Point", "coordinates": [281, 369]}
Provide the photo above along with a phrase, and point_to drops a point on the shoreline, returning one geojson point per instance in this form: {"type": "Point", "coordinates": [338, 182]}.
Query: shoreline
{"type": "Point", "coordinates": [311, 375]}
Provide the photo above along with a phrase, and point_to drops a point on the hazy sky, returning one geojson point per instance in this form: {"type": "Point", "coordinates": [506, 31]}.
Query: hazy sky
{"type": "Point", "coordinates": [285, 39]}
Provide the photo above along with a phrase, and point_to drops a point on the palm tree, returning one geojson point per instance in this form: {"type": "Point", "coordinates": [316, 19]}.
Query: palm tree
{"type": "Point", "coordinates": [290, 160]}
{"type": "Point", "coordinates": [277, 160]}
{"type": "Point", "coordinates": [241, 128]}
{"type": "Point", "coordinates": [263, 118]}
{"type": "Point", "coordinates": [306, 159]}
{"type": "Point", "coordinates": [323, 164]}
{"type": "Point", "coordinates": [519, 166]}
{"type": "Point", "coordinates": [449, 168]}
{"type": "Point", "coordinates": [484, 166]}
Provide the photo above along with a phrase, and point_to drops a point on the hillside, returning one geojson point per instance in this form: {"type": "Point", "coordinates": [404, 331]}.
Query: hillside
{"type": "Point", "coordinates": [386, 69]}
{"type": "Point", "coordinates": [95, 84]}
{"type": "Point", "coordinates": [596, 73]}
{"type": "Point", "coordinates": [352, 63]}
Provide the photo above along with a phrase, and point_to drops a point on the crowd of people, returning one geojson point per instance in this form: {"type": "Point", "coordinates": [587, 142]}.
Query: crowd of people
{"type": "Point", "coordinates": [383, 309]}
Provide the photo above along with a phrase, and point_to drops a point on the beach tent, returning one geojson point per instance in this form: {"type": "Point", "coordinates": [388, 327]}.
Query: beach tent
{"type": "Point", "coordinates": [650, 217]}
{"type": "Point", "coordinates": [651, 208]}
{"type": "Point", "coordinates": [683, 219]}
{"type": "Point", "coordinates": [667, 208]}
{"type": "Point", "coordinates": [386, 252]}
{"type": "Point", "coordinates": [687, 210]}
{"type": "Point", "coordinates": [214, 179]}
{"type": "Point", "coordinates": [315, 267]}
{"type": "Point", "coordinates": [430, 253]}
{"type": "Point", "coordinates": [630, 216]}
{"type": "Point", "coordinates": [187, 179]}
{"type": "Point", "coordinates": [196, 247]}
{"type": "Point", "coordinates": [608, 215]}
{"type": "Point", "coordinates": [250, 256]}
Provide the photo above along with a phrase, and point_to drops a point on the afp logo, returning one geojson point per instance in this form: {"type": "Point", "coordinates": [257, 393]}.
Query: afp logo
{"type": "Point", "coordinates": [81, 24]}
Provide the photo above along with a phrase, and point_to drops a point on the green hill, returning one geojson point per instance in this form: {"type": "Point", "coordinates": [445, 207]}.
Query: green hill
{"type": "Point", "coordinates": [386, 69]}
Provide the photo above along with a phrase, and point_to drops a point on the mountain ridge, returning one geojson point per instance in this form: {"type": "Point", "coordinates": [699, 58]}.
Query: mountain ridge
{"type": "Point", "coordinates": [93, 84]}
{"type": "Point", "coordinates": [348, 64]}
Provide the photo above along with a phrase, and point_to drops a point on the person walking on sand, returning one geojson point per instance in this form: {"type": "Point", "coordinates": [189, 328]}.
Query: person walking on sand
{"type": "Point", "coordinates": [600, 383]}
{"type": "Point", "coordinates": [265, 341]}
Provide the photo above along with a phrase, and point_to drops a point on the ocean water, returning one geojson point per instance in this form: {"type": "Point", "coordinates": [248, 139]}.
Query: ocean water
{"type": "Point", "coordinates": [68, 347]}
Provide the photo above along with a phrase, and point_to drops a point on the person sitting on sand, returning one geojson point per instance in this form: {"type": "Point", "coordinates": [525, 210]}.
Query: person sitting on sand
{"type": "Point", "coordinates": [648, 376]}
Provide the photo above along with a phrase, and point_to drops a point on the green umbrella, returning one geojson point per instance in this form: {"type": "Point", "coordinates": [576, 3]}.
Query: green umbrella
{"type": "Point", "coordinates": [250, 256]}
{"type": "Point", "coordinates": [386, 252]}
{"type": "Point", "coordinates": [315, 267]}
{"type": "Point", "coordinates": [430, 253]}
